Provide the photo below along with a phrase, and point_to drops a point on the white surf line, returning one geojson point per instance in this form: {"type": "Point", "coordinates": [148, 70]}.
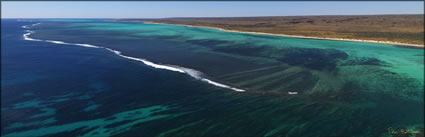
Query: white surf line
{"type": "Point", "coordinates": [27, 26]}
{"type": "Point", "coordinates": [292, 93]}
{"type": "Point", "coordinates": [191, 72]}
{"type": "Point", "coordinates": [198, 75]}
{"type": "Point", "coordinates": [35, 24]}
{"type": "Point", "coordinates": [26, 36]}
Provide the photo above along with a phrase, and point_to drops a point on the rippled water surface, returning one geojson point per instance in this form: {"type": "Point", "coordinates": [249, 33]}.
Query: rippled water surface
{"type": "Point", "coordinates": [102, 78]}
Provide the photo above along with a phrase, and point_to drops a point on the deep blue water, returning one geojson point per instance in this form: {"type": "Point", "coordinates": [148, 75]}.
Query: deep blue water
{"type": "Point", "coordinates": [45, 84]}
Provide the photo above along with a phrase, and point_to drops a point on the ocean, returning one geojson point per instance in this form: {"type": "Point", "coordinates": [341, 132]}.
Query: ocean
{"type": "Point", "coordinates": [95, 77]}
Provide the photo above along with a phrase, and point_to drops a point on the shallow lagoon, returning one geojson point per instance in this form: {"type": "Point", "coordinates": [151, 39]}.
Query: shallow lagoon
{"type": "Point", "coordinates": [345, 88]}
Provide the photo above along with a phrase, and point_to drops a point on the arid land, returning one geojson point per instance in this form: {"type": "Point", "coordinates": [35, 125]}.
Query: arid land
{"type": "Point", "coordinates": [396, 29]}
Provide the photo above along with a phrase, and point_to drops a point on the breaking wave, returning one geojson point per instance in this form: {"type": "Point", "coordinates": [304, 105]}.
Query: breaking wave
{"type": "Point", "coordinates": [191, 72]}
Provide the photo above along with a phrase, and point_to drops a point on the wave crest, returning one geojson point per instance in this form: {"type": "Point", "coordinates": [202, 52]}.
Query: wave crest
{"type": "Point", "coordinates": [191, 72]}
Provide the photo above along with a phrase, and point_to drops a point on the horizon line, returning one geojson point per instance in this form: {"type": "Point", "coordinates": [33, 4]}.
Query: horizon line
{"type": "Point", "coordinates": [204, 17]}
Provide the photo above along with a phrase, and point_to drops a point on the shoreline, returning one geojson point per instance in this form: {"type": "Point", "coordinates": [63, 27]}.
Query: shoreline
{"type": "Point", "coordinates": [299, 36]}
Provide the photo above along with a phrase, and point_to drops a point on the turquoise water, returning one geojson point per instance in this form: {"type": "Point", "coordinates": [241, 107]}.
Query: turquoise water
{"type": "Point", "coordinates": [344, 88]}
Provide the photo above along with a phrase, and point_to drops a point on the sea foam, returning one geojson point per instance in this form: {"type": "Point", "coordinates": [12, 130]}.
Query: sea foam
{"type": "Point", "coordinates": [191, 72]}
{"type": "Point", "coordinates": [26, 36]}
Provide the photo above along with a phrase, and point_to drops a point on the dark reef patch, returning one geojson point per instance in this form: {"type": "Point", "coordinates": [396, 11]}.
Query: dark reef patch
{"type": "Point", "coordinates": [306, 82]}
{"type": "Point", "coordinates": [351, 92]}
{"type": "Point", "coordinates": [313, 58]}
{"type": "Point", "coordinates": [256, 51]}
{"type": "Point", "coordinates": [114, 125]}
{"type": "Point", "coordinates": [379, 83]}
{"type": "Point", "coordinates": [365, 61]}
{"type": "Point", "coordinates": [207, 42]}
{"type": "Point", "coordinates": [300, 82]}
{"type": "Point", "coordinates": [171, 37]}
{"type": "Point", "coordinates": [319, 59]}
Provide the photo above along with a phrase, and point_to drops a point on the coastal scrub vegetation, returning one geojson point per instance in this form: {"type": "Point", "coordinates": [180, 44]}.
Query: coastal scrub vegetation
{"type": "Point", "coordinates": [407, 29]}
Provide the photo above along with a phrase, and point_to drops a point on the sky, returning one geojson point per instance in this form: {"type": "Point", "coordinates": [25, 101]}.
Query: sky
{"type": "Point", "coordinates": [144, 9]}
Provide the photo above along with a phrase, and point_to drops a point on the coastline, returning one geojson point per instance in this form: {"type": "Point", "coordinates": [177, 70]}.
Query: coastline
{"type": "Point", "coordinates": [299, 36]}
